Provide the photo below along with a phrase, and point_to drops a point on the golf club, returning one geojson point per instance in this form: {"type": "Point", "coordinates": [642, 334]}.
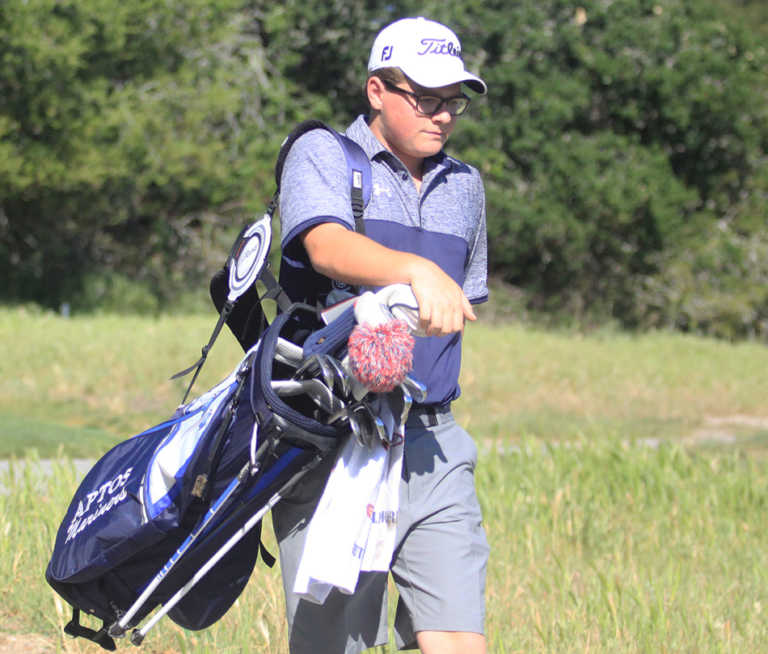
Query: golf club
{"type": "Point", "coordinates": [340, 375]}
{"type": "Point", "coordinates": [312, 365]}
{"type": "Point", "coordinates": [288, 353]}
{"type": "Point", "coordinates": [313, 388]}
{"type": "Point", "coordinates": [416, 389]}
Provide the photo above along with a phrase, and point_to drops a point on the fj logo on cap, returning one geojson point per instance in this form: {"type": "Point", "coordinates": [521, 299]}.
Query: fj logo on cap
{"type": "Point", "coordinates": [439, 47]}
{"type": "Point", "coordinates": [386, 53]}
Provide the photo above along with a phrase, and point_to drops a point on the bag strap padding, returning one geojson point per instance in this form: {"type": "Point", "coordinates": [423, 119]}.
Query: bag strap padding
{"type": "Point", "coordinates": [358, 166]}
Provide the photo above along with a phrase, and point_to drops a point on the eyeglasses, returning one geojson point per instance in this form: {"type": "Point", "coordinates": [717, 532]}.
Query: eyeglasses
{"type": "Point", "coordinates": [429, 105]}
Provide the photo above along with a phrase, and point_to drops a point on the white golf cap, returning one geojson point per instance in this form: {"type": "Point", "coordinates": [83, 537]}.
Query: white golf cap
{"type": "Point", "coordinates": [426, 51]}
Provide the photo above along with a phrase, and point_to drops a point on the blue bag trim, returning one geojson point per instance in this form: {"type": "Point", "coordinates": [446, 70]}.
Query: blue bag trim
{"type": "Point", "coordinates": [332, 339]}
{"type": "Point", "coordinates": [154, 509]}
{"type": "Point", "coordinates": [265, 401]}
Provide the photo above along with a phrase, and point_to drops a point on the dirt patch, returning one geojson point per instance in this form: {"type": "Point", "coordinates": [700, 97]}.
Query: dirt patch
{"type": "Point", "coordinates": [755, 422]}
{"type": "Point", "coordinates": [727, 429]}
{"type": "Point", "coordinates": [25, 644]}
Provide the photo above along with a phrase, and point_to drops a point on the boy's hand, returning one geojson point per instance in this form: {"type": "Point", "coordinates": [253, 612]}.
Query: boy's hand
{"type": "Point", "coordinates": [344, 255]}
{"type": "Point", "coordinates": [443, 307]}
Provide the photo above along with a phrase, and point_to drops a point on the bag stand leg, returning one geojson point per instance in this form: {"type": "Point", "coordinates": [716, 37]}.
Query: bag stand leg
{"type": "Point", "coordinates": [118, 629]}
{"type": "Point", "coordinates": [138, 634]}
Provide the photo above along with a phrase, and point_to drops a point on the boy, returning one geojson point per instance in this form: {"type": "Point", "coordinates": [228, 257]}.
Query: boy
{"type": "Point", "coordinates": [424, 226]}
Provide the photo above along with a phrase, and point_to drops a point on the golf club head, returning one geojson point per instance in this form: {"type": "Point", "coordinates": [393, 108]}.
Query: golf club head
{"type": "Point", "coordinates": [347, 415]}
{"type": "Point", "coordinates": [308, 367]}
{"type": "Point", "coordinates": [354, 425]}
{"type": "Point", "coordinates": [314, 389]}
{"type": "Point", "coordinates": [416, 389]}
{"type": "Point", "coordinates": [316, 364]}
{"type": "Point", "coordinates": [288, 353]}
{"type": "Point", "coordinates": [387, 410]}
{"type": "Point", "coordinates": [340, 376]}
{"type": "Point", "coordinates": [407, 400]}
{"type": "Point", "coordinates": [323, 396]}
{"type": "Point", "coordinates": [376, 423]}
{"type": "Point", "coordinates": [369, 436]}
{"type": "Point", "coordinates": [381, 429]}
{"type": "Point", "coordinates": [326, 370]}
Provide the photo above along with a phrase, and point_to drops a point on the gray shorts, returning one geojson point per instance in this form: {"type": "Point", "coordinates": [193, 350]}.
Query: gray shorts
{"type": "Point", "coordinates": [440, 555]}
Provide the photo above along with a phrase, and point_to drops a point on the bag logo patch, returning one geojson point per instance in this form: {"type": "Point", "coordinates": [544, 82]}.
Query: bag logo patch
{"type": "Point", "coordinates": [98, 502]}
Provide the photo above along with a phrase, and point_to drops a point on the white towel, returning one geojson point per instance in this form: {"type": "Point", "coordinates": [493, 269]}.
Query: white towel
{"type": "Point", "coordinates": [354, 525]}
{"type": "Point", "coordinates": [380, 544]}
{"type": "Point", "coordinates": [353, 528]}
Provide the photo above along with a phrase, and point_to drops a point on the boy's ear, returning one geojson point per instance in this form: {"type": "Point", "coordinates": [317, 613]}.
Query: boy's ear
{"type": "Point", "coordinates": [375, 88]}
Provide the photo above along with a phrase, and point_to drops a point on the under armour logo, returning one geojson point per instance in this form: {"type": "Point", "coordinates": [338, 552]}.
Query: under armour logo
{"type": "Point", "coordinates": [378, 189]}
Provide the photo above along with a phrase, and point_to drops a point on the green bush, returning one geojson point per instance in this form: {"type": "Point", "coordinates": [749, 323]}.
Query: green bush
{"type": "Point", "coordinates": [719, 288]}
{"type": "Point", "coordinates": [614, 134]}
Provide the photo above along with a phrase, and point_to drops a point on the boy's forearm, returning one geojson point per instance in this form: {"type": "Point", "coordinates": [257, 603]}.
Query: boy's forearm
{"type": "Point", "coordinates": [352, 258]}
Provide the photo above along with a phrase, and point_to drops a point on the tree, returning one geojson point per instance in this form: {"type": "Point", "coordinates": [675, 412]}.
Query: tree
{"type": "Point", "coordinates": [613, 131]}
{"type": "Point", "coordinates": [128, 132]}
{"type": "Point", "coordinates": [617, 137]}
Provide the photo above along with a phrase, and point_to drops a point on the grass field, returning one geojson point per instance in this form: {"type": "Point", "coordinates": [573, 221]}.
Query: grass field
{"type": "Point", "coordinates": [84, 383]}
{"type": "Point", "coordinates": [623, 481]}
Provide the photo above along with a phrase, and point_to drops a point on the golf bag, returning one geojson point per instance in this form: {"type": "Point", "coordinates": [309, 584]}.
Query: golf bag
{"type": "Point", "coordinates": [152, 516]}
{"type": "Point", "coordinates": [185, 498]}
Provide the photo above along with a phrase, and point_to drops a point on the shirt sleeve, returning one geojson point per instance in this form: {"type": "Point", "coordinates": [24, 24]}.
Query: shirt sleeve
{"type": "Point", "coordinates": [313, 187]}
{"type": "Point", "coordinates": [476, 270]}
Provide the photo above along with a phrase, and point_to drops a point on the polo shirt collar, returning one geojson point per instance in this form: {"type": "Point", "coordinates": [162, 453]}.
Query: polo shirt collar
{"type": "Point", "coordinates": [360, 132]}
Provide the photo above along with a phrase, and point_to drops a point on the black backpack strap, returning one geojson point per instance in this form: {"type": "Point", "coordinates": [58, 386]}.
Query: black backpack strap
{"type": "Point", "coordinates": [266, 556]}
{"type": "Point", "coordinates": [198, 365]}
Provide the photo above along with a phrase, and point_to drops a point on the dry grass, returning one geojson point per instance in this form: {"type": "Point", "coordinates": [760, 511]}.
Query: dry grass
{"type": "Point", "coordinates": [600, 543]}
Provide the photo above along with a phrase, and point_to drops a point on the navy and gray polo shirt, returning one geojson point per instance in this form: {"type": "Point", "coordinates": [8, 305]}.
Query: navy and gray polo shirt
{"type": "Point", "coordinates": [444, 222]}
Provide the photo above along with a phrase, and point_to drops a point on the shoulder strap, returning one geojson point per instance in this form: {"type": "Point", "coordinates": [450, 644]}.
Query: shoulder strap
{"type": "Point", "coordinates": [358, 167]}
{"type": "Point", "coordinates": [222, 293]}
{"type": "Point", "coordinates": [359, 174]}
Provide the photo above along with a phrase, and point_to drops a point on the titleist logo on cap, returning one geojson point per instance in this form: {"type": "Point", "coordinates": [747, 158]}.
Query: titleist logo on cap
{"type": "Point", "coordinates": [429, 46]}
{"type": "Point", "coordinates": [439, 47]}
{"type": "Point", "coordinates": [410, 43]}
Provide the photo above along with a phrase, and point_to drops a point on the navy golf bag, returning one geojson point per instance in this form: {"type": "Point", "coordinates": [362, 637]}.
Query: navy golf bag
{"type": "Point", "coordinates": [157, 508]}
{"type": "Point", "coordinates": [185, 498]}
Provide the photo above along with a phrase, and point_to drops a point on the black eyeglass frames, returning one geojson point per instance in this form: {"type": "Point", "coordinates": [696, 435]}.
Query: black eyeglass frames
{"type": "Point", "coordinates": [429, 105]}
